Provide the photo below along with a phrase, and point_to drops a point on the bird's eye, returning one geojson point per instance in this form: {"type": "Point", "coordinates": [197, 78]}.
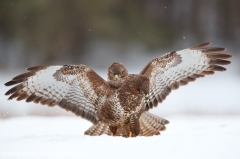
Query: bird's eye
{"type": "Point", "coordinates": [146, 95]}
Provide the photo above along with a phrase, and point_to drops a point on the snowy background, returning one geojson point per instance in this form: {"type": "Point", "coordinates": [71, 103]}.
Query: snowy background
{"type": "Point", "coordinates": [189, 136]}
{"type": "Point", "coordinates": [204, 123]}
{"type": "Point", "coordinates": [204, 115]}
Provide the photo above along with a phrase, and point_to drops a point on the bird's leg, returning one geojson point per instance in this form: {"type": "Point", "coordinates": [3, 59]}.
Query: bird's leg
{"type": "Point", "coordinates": [125, 129]}
{"type": "Point", "coordinates": [134, 126]}
{"type": "Point", "coordinates": [113, 130]}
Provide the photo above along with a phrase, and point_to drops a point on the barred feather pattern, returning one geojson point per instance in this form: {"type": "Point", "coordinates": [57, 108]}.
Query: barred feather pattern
{"type": "Point", "coordinates": [98, 129]}
{"type": "Point", "coordinates": [150, 125]}
{"type": "Point", "coordinates": [178, 68]}
{"type": "Point", "coordinates": [68, 86]}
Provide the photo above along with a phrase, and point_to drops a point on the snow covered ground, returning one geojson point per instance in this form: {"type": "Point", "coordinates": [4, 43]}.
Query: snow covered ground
{"type": "Point", "coordinates": [198, 137]}
{"type": "Point", "coordinates": [204, 123]}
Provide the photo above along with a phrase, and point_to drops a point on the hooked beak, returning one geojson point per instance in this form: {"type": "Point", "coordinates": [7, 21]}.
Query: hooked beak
{"type": "Point", "coordinates": [146, 95]}
{"type": "Point", "coordinates": [116, 77]}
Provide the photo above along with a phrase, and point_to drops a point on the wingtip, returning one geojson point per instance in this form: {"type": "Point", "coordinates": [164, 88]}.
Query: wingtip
{"type": "Point", "coordinates": [201, 45]}
{"type": "Point", "coordinates": [208, 43]}
{"type": "Point", "coordinates": [36, 68]}
{"type": "Point", "coordinates": [222, 49]}
{"type": "Point", "coordinates": [8, 83]}
{"type": "Point", "coordinates": [229, 56]}
{"type": "Point", "coordinates": [167, 122]}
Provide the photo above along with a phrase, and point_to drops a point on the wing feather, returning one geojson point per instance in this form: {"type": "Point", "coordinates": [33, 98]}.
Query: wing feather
{"type": "Point", "coordinates": [75, 88]}
{"type": "Point", "coordinates": [178, 68]}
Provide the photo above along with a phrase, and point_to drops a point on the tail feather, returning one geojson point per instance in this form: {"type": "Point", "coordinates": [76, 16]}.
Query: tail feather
{"type": "Point", "coordinates": [150, 125]}
{"type": "Point", "coordinates": [146, 129]}
{"type": "Point", "coordinates": [98, 129]}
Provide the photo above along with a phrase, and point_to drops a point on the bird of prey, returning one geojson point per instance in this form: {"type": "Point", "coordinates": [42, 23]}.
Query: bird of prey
{"type": "Point", "coordinates": [177, 68]}
{"type": "Point", "coordinates": [149, 124]}
{"type": "Point", "coordinates": [167, 73]}
{"type": "Point", "coordinates": [120, 105]}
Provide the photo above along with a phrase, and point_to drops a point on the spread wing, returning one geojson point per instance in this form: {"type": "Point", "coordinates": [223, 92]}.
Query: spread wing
{"type": "Point", "coordinates": [75, 88]}
{"type": "Point", "coordinates": [177, 68]}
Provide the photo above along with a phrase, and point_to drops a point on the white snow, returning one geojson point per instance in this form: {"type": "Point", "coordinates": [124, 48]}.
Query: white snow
{"type": "Point", "coordinates": [204, 124]}
{"type": "Point", "coordinates": [198, 137]}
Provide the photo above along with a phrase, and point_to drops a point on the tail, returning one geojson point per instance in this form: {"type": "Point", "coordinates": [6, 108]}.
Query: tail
{"type": "Point", "coordinates": [150, 125]}
{"type": "Point", "coordinates": [98, 129]}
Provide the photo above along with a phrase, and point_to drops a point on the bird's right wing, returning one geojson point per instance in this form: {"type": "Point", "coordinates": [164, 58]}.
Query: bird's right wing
{"type": "Point", "coordinates": [177, 68]}
{"type": "Point", "coordinates": [76, 88]}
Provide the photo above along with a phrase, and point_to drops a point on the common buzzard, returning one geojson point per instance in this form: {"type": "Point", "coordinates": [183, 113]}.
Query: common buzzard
{"type": "Point", "coordinates": [120, 105]}
{"type": "Point", "coordinates": [175, 69]}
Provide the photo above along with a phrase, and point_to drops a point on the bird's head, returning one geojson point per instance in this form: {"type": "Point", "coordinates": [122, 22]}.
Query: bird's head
{"type": "Point", "coordinates": [117, 71]}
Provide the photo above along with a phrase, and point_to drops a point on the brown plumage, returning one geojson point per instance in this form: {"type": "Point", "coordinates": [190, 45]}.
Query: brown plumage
{"type": "Point", "coordinates": [149, 124]}
{"type": "Point", "coordinates": [177, 68]}
{"type": "Point", "coordinates": [166, 73]}
{"type": "Point", "coordinates": [117, 71]}
{"type": "Point", "coordinates": [118, 106]}
{"type": "Point", "coordinates": [78, 89]}
{"type": "Point", "coordinates": [123, 117]}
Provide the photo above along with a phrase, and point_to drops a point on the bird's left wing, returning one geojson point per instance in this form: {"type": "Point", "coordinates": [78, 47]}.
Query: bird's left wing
{"type": "Point", "coordinates": [76, 88]}
{"type": "Point", "coordinates": [177, 68]}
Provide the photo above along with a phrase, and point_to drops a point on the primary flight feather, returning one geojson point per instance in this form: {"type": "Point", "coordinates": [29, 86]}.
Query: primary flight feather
{"type": "Point", "coordinates": [120, 105]}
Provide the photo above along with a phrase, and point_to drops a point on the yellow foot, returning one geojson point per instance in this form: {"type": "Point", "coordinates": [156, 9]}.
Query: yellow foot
{"type": "Point", "coordinates": [130, 134]}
